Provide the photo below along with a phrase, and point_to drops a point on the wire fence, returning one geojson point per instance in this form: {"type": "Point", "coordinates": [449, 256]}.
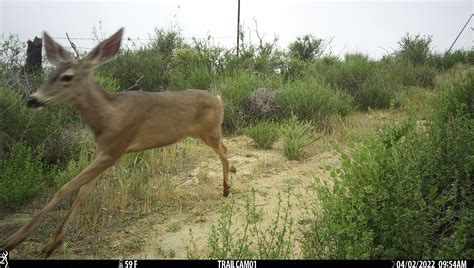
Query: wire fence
{"type": "Point", "coordinates": [134, 41]}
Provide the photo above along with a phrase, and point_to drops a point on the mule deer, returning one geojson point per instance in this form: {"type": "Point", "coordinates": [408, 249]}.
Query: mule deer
{"type": "Point", "coordinates": [121, 123]}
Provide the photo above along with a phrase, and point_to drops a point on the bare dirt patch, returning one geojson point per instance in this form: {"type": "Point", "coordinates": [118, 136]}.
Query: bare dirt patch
{"type": "Point", "coordinates": [268, 172]}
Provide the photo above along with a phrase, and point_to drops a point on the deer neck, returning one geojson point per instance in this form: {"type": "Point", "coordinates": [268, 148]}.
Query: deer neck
{"type": "Point", "coordinates": [94, 106]}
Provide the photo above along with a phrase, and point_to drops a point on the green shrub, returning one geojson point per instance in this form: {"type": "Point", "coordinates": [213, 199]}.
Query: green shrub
{"type": "Point", "coordinates": [297, 135]}
{"type": "Point", "coordinates": [348, 75]}
{"type": "Point", "coordinates": [189, 70]}
{"type": "Point", "coordinates": [374, 95]}
{"type": "Point", "coordinates": [235, 89]}
{"type": "Point", "coordinates": [456, 95]}
{"type": "Point", "coordinates": [448, 164]}
{"type": "Point", "coordinates": [274, 241]}
{"type": "Point", "coordinates": [265, 133]}
{"type": "Point", "coordinates": [312, 101]}
{"type": "Point", "coordinates": [447, 60]}
{"type": "Point", "coordinates": [21, 174]}
{"type": "Point", "coordinates": [294, 69]}
{"type": "Point", "coordinates": [216, 57]}
{"type": "Point", "coordinates": [458, 56]}
{"type": "Point", "coordinates": [50, 127]}
{"type": "Point", "coordinates": [415, 49]}
{"type": "Point", "coordinates": [145, 67]}
{"type": "Point", "coordinates": [167, 41]}
{"type": "Point", "coordinates": [108, 83]}
{"type": "Point", "coordinates": [405, 194]}
{"type": "Point", "coordinates": [425, 76]}
{"type": "Point", "coordinates": [405, 74]}
{"type": "Point", "coordinates": [306, 48]}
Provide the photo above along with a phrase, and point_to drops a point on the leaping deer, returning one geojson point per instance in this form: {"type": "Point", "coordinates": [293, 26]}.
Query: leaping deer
{"type": "Point", "coordinates": [121, 123]}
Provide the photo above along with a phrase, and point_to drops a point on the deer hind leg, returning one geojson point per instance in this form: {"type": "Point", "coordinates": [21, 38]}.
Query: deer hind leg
{"type": "Point", "coordinates": [101, 163]}
{"type": "Point", "coordinates": [214, 141]}
{"type": "Point", "coordinates": [231, 167]}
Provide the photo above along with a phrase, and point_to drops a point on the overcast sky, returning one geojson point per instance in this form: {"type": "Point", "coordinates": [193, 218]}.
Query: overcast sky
{"type": "Point", "coordinates": [371, 27]}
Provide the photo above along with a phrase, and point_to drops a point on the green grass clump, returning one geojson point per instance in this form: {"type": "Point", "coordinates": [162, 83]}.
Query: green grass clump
{"type": "Point", "coordinates": [265, 133]}
{"type": "Point", "coordinates": [297, 135]}
{"type": "Point", "coordinates": [313, 101]}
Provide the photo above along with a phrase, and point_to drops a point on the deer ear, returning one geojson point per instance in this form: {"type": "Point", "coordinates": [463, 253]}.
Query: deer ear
{"type": "Point", "coordinates": [54, 51]}
{"type": "Point", "coordinates": [106, 50]}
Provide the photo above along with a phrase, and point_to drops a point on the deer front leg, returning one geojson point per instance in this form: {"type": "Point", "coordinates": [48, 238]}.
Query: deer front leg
{"type": "Point", "coordinates": [101, 163]}
{"type": "Point", "coordinates": [58, 236]}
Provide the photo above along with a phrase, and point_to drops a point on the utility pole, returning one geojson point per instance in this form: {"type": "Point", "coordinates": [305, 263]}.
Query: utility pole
{"type": "Point", "coordinates": [470, 17]}
{"type": "Point", "coordinates": [238, 27]}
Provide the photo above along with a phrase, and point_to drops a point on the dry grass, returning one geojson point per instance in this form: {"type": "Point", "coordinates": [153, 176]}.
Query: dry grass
{"type": "Point", "coordinates": [358, 125]}
{"type": "Point", "coordinates": [140, 184]}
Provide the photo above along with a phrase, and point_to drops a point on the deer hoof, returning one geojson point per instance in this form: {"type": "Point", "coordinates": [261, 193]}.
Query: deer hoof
{"type": "Point", "coordinates": [226, 191]}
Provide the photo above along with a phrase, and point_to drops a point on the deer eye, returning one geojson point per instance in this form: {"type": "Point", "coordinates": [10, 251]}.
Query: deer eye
{"type": "Point", "coordinates": [66, 78]}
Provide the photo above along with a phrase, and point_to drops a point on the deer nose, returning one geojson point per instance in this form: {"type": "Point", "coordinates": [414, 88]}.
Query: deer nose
{"type": "Point", "coordinates": [32, 102]}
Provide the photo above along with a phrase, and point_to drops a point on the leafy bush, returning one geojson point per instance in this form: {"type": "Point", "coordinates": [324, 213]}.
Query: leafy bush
{"type": "Point", "coordinates": [235, 90]}
{"type": "Point", "coordinates": [451, 139]}
{"type": "Point", "coordinates": [374, 95]}
{"type": "Point", "coordinates": [272, 242]}
{"type": "Point", "coordinates": [349, 75]}
{"type": "Point", "coordinates": [306, 48]}
{"type": "Point", "coordinates": [297, 135]}
{"type": "Point", "coordinates": [447, 60]}
{"type": "Point", "coordinates": [145, 67]}
{"type": "Point", "coordinates": [406, 74]}
{"type": "Point", "coordinates": [263, 59]}
{"type": "Point", "coordinates": [189, 70]}
{"type": "Point", "coordinates": [415, 49]}
{"type": "Point", "coordinates": [48, 127]}
{"type": "Point", "coordinates": [458, 56]}
{"type": "Point", "coordinates": [407, 193]}
{"type": "Point", "coordinates": [265, 133]}
{"type": "Point", "coordinates": [312, 101]}
{"type": "Point", "coordinates": [12, 54]}
{"type": "Point", "coordinates": [167, 41]}
{"type": "Point", "coordinates": [294, 69]}
{"type": "Point", "coordinates": [216, 57]}
{"type": "Point", "coordinates": [108, 83]}
{"type": "Point", "coordinates": [425, 76]}
{"type": "Point", "coordinates": [21, 172]}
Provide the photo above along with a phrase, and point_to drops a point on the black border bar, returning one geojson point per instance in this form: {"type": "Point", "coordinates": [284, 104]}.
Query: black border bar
{"type": "Point", "coordinates": [228, 264]}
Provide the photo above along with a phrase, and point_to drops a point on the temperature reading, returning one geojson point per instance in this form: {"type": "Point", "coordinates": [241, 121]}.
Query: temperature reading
{"type": "Point", "coordinates": [130, 264]}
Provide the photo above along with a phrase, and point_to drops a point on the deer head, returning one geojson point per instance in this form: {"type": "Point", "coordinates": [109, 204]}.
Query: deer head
{"type": "Point", "coordinates": [71, 77]}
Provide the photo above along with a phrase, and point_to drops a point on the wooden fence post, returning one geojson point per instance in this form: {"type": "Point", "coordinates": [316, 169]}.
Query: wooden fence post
{"type": "Point", "coordinates": [33, 55]}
